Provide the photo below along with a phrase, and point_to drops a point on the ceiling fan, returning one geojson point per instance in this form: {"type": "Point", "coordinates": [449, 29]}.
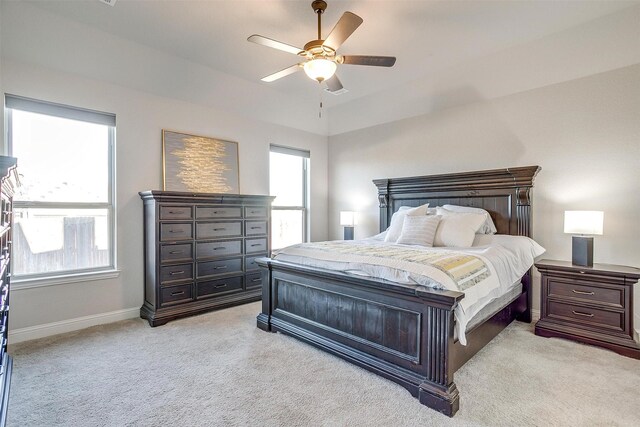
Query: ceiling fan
{"type": "Point", "coordinates": [320, 57]}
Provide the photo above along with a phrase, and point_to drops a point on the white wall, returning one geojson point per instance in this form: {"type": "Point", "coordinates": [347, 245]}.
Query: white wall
{"type": "Point", "coordinates": [33, 70]}
{"type": "Point", "coordinates": [584, 134]}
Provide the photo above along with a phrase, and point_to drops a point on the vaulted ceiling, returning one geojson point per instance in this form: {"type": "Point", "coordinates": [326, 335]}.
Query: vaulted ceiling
{"type": "Point", "coordinates": [448, 52]}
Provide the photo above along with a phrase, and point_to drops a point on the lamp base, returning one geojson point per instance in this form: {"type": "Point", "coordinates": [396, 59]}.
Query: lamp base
{"type": "Point", "coordinates": [582, 251]}
{"type": "Point", "coordinates": [348, 233]}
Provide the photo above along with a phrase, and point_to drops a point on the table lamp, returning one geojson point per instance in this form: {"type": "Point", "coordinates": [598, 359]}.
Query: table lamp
{"type": "Point", "coordinates": [585, 224]}
{"type": "Point", "coordinates": [348, 220]}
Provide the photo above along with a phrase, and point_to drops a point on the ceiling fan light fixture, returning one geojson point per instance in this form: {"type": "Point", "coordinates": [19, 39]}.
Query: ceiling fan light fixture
{"type": "Point", "coordinates": [320, 69]}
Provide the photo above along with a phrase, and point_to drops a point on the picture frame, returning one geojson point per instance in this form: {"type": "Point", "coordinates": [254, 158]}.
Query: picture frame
{"type": "Point", "coordinates": [199, 164]}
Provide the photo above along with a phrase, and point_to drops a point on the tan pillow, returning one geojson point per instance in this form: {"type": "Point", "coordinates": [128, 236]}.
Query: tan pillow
{"type": "Point", "coordinates": [395, 227]}
{"type": "Point", "coordinates": [419, 230]}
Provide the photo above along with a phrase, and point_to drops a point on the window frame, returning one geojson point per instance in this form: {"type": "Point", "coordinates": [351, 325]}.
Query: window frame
{"type": "Point", "coordinates": [22, 281]}
{"type": "Point", "coordinates": [306, 156]}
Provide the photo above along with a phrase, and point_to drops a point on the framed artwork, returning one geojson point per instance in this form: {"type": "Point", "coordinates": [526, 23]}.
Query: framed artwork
{"type": "Point", "coordinates": [199, 164]}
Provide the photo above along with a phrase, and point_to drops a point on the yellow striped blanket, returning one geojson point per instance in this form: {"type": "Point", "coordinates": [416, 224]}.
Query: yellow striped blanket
{"type": "Point", "coordinates": [463, 270]}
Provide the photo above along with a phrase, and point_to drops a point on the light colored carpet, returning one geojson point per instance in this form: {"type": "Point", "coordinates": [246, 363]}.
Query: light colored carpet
{"type": "Point", "coordinates": [219, 369]}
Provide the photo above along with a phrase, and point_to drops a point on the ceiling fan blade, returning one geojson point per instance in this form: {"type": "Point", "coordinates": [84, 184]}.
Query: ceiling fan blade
{"type": "Point", "coordinates": [265, 41]}
{"type": "Point", "coordinates": [282, 73]}
{"type": "Point", "coordinates": [334, 84]}
{"type": "Point", "coordinates": [345, 26]}
{"type": "Point", "coordinates": [376, 61]}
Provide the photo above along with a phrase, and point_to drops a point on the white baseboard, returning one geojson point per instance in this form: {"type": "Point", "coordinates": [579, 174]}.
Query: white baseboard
{"type": "Point", "coordinates": [54, 328]}
{"type": "Point", "coordinates": [535, 314]}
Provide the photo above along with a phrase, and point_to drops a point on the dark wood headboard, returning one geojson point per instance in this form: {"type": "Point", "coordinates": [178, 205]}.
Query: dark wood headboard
{"type": "Point", "coordinates": [504, 193]}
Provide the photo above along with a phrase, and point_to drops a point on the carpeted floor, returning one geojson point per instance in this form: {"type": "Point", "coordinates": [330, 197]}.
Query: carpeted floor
{"type": "Point", "coordinates": [218, 369]}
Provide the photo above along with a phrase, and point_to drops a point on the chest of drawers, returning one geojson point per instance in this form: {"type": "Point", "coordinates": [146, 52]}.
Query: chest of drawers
{"type": "Point", "coordinates": [8, 185]}
{"type": "Point", "coordinates": [200, 251]}
{"type": "Point", "coordinates": [593, 305]}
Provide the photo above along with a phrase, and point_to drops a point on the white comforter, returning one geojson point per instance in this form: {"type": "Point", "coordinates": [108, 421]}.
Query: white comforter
{"type": "Point", "coordinates": [506, 257]}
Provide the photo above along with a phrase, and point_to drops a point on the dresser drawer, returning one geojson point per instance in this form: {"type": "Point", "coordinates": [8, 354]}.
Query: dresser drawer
{"type": "Point", "coordinates": [176, 252]}
{"type": "Point", "coordinates": [256, 245]}
{"type": "Point", "coordinates": [256, 228]}
{"type": "Point", "coordinates": [250, 262]}
{"type": "Point", "coordinates": [213, 287]}
{"type": "Point", "coordinates": [176, 294]}
{"type": "Point", "coordinates": [175, 212]}
{"type": "Point", "coordinates": [253, 281]}
{"type": "Point", "coordinates": [223, 266]}
{"type": "Point", "coordinates": [172, 273]}
{"type": "Point", "coordinates": [212, 230]}
{"type": "Point", "coordinates": [574, 290]}
{"type": "Point", "coordinates": [218, 249]}
{"type": "Point", "coordinates": [255, 212]}
{"type": "Point", "coordinates": [176, 231]}
{"type": "Point", "coordinates": [586, 316]}
{"type": "Point", "coordinates": [214, 212]}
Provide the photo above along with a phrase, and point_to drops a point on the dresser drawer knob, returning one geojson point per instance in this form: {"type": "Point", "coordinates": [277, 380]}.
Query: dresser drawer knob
{"type": "Point", "coordinates": [256, 280]}
{"type": "Point", "coordinates": [222, 267]}
{"type": "Point", "coordinates": [175, 252]}
{"type": "Point", "coordinates": [219, 248]}
{"type": "Point", "coordinates": [578, 313]}
{"type": "Point", "coordinates": [219, 212]}
{"type": "Point", "coordinates": [222, 285]}
{"type": "Point", "coordinates": [582, 292]}
{"type": "Point", "coordinates": [219, 229]}
{"type": "Point", "coordinates": [256, 244]}
{"type": "Point", "coordinates": [173, 294]}
{"type": "Point", "coordinates": [173, 273]}
{"type": "Point", "coordinates": [255, 228]}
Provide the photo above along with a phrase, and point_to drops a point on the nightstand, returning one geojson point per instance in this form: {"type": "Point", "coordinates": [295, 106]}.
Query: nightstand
{"type": "Point", "coordinates": [593, 305]}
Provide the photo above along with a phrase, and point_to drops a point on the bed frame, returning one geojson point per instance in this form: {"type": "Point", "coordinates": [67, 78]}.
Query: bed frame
{"type": "Point", "coordinates": [403, 333]}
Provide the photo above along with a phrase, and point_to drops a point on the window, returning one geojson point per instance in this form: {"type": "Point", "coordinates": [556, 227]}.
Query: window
{"type": "Point", "coordinates": [63, 211]}
{"type": "Point", "coordinates": [289, 181]}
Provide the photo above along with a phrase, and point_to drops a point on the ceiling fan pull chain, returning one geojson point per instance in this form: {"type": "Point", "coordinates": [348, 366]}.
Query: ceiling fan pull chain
{"type": "Point", "coordinates": [320, 96]}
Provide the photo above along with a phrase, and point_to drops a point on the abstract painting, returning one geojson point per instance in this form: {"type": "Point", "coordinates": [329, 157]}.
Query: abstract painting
{"type": "Point", "coordinates": [199, 164]}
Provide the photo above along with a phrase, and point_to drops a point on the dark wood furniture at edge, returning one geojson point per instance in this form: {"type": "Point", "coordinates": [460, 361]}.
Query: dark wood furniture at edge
{"type": "Point", "coordinates": [593, 305]}
{"type": "Point", "coordinates": [200, 251]}
{"type": "Point", "coordinates": [403, 333]}
{"type": "Point", "coordinates": [8, 184]}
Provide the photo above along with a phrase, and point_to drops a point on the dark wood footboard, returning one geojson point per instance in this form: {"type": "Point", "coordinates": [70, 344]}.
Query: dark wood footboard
{"type": "Point", "coordinates": [402, 333]}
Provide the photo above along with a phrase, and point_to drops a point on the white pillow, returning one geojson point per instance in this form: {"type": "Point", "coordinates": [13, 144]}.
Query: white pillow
{"type": "Point", "coordinates": [419, 230]}
{"type": "Point", "coordinates": [516, 244]}
{"type": "Point", "coordinates": [487, 228]}
{"type": "Point", "coordinates": [457, 229]}
{"type": "Point", "coordinates": [395, 227]}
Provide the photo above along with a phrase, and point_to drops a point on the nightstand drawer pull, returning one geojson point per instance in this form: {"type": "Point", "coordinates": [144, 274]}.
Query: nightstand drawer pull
{"type": "Point", "coordinates": [583, 292]}
{"type": "Point", "coordinates": [577, 313]}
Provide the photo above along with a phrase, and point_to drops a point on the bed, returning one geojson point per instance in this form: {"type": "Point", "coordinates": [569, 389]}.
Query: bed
{"type": "Point", "coordinates": [405, 334]}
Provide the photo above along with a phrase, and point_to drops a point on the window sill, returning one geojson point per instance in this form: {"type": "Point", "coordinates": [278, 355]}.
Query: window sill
{"type": "Point", "coordinates": [39, 282]}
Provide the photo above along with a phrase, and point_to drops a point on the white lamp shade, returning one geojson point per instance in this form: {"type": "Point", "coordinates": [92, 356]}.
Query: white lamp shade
{"type": "Point", "coordinates": [347, 218]}
{"type": "Point", "coordinates": [583, 222]}
{"type": "Point", "coordinates": [320, 69]}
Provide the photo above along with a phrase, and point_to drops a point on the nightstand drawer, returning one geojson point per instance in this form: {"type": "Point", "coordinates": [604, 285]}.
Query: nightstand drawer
{"type": "Point", "coordinates": [586, 316]}
{"type": "Point", "coordinates": [576, 291]}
